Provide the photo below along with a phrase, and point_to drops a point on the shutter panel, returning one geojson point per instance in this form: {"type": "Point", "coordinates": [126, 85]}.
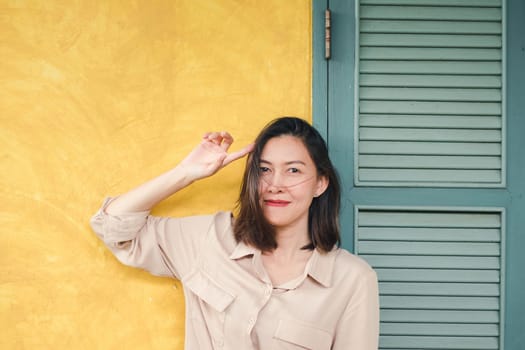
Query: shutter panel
{"type": "Point", "coordinates": [430, 93]}
{"type": "Point", "coordinates": [439, 274]}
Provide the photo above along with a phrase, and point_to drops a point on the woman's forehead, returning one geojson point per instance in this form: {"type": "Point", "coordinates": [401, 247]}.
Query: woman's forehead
{"type": "Point", "coordinates": [285, 149]}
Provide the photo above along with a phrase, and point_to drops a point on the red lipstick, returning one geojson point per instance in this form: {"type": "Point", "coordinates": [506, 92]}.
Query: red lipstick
{"type": "Point", "coordinates": [276, 203]}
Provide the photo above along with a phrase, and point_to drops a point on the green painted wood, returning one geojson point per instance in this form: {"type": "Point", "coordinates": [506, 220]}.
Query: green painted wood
{"type": "Point", "coordinates": [430, 13]}
{"type": "Point", "coordinates": [429, 26]}
{"type": "Point", "coordinates": [423, 107]}
{"type": "Point", "coordinates": [429, 162]}
{"type": "Point", "coordinates": [430, 40]}
{"type": "Point", "coordinates": [434, 234]}
{"type": "Point", "coordinates": [429, 135]}
{"type": "Point", "coordinates": [429, 94]}
{"type": "Point", "coordinates": [459, 316]}
{"type": "Point", "coordinates": [437, 275]}
{"type": "Point", "coordinates": [341, 84]}
{"type": "Point", "coordinates": [413, 342]}
{"type": "Point", "coordinates": [427, 218]}
{"type": "Point", "coordinates": [430, 176]}
{"type": "Point", "coordinates": [429, 54]}
{"type": "Point", "coordinates": [429, 80]}
{"type": "Point", "coordinates": [437, 148]}
{"type": "Point", "coordinates": [476, 3]}
{"type": "Point", "coordinates": [434, 288]}
{"type": "Point", "coordinates": [429, 67]}
{"type": "Point", "coordinates": [434, 279]}
{"type": "Point", "coordinates": [429, 248]}
{"type": "Point", "coordinates": [430, 121]}
{"type": "Point", "coordinates": [443, 329]}
{"type": "Point", "coordinates": [432, 261]}
{"type": "Point", "coordinates": [514, 315]}
{"type": "Point", "coordinates": [439, 302]}
{"type": "Point", "coordinates": [319, 69]}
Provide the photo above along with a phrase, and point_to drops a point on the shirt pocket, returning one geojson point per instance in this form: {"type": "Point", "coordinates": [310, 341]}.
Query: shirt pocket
{"type": "Point", "coordinates": [301, 335]}
{"type": "Point", "coordinates": [212, 303]}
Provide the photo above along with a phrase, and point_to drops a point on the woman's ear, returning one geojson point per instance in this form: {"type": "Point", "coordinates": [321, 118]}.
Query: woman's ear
{"type": "Point", "coordinates": [322, 185]}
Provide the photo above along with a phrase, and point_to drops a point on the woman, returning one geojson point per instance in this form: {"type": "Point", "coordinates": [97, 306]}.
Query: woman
{"type": "Point", "coordinates": [272, 278]}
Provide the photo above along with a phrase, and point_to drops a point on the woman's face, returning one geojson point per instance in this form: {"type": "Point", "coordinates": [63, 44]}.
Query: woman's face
{"type": "Point", "coordinates": [288, 182]}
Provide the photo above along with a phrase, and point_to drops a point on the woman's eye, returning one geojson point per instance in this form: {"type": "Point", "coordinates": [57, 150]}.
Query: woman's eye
{"type": "Point", "coordinates": [293, 170]}
{"type": "Point", "coordinates": [264, 169]}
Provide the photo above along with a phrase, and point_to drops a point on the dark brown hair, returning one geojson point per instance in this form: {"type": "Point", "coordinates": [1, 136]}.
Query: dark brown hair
{"type": "Point", "coordinates": [251, 227]}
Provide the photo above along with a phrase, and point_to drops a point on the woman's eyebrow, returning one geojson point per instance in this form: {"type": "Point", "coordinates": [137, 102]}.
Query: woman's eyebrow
{"type": "Point", "coordinates": [286, 163]}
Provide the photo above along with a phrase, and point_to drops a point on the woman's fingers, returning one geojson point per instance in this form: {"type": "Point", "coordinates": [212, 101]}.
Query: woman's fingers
{"type": "Point", "coordinates": [222, 139]}
{"type": "Point", "coordinates": [239, 154]}
{"type": "Point", "coordinates": [226, 139]}
{"type": "Point", "coordinates": [213, 137]}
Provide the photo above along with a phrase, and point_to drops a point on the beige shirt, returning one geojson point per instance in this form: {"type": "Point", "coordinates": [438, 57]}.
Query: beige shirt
{"type": "Point", "coordinates": [230, 300]}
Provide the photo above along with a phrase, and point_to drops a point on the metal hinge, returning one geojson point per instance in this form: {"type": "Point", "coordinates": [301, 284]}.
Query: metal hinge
{"type": "Point", "coordinates": [327, 34]}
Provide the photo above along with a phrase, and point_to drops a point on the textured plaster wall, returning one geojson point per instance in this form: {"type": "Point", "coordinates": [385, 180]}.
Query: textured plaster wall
{"type": "Point", "coordinates": [98, 96]}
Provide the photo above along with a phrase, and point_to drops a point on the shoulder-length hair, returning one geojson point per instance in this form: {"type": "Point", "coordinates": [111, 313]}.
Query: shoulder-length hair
{"type": "Point", "coordinates": [251, 227]}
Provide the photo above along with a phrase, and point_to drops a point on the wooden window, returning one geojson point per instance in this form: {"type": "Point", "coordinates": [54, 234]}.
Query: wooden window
{"type": "Point", "coordinates": [430, 81]}
{"type": "Point", "coordinates": [440, 275]}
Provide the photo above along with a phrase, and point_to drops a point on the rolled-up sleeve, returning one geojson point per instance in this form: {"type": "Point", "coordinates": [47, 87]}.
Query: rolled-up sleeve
{"type": "Point", "coordinates": [162, 246]}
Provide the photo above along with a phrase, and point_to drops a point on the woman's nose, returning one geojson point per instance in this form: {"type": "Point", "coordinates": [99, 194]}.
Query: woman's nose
{"type": "Point", "coordinates": [274, 182]}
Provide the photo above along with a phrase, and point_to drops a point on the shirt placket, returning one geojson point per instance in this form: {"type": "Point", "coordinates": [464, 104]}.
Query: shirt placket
{"type": "Point", "coordinates": [265, 291]}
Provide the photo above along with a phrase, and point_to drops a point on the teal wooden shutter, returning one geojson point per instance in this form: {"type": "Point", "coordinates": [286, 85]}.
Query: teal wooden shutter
{"type": "Point", "coordinates": [420, 309]}
{"type": "Point", "coordinates": [439, 274]}
{"type": "Point", "coordinates": [429, 92]}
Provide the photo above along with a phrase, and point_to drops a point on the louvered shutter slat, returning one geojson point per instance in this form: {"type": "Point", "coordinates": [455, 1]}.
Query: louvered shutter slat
{"type": "Point", "coordinates": [435, 234]}
{"type": "Point", "coordinates": [431, 40]}
{"type": "Point", "coordinates": [437, 275]}
{"type": "Point", "coordinates": [430, 121]}
{"type": "Point", "coordinates": [420, 107]}
{"type": "Point", "coordinates": [432, 261]}
{"type": "Point", "coordinates": [474, 343]}
{"type": "Point", "coordinates": [430, 80]}
{"type": "Point", "coordinates": [462, 13]}
{"type": "Point", "coordinates": [430, 67]}
{"type": "Point", "coordinates": [439, 303]}
{"type": "Point", "coordinates": [437, 148]}
{"type": "Point", "coordinates": [450, 329]}
{"type": "Point", "coordinates": [462, 316]}
{"type": "Point", "coordinates": [428, 26]}
{"type": "Point", "coordinates": [448, 288]}
{"type": "Point", "coordinates": [434, 248]}
{"type": "Point", "coordinates": [429, 94]}
{"type": "Point", "coordinates": [443, 162]}
{"type": "Point", "coordinates": [406, 134]}
{"type": "Point", "coordinates": [480, 3]}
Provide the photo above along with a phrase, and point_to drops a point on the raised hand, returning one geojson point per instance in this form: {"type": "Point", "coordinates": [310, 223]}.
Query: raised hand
{"type": "Point", "coordinates": [211, 155]}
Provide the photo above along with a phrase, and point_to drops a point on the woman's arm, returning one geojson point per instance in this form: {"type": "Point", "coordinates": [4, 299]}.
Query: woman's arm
{"type": "Point", "coordinates": [205, 160]}
{"type": "Point", "coordinates": [359, 325]}
{"type": "Point", "coordinates": [163, 246]}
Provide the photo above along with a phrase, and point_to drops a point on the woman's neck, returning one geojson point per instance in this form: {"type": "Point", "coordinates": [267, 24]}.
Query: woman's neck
{"type": "Point", "coordinates": [290, 242]}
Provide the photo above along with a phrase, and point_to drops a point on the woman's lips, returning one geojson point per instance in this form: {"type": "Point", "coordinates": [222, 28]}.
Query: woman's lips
{"type": "Point", "coordinates": [276, 203]}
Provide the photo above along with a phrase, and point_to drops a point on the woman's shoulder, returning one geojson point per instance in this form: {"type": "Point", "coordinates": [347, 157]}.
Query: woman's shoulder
{"type": "Point", "coordinates": [223, 230]}
{"type": "Point", "coordinates": [223, 219]}
{"type": "Point", "coordinates": [349, 263]}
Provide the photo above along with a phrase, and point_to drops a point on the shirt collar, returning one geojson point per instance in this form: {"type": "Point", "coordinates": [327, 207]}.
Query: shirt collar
{"type": "Point", "coordinates": [320, 267]}
{"type": "Point", "coordinates": [241, 250]}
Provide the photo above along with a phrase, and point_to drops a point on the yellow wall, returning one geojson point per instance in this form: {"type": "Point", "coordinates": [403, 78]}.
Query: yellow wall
{"type": "Point", "coordinates": [97, 96]}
